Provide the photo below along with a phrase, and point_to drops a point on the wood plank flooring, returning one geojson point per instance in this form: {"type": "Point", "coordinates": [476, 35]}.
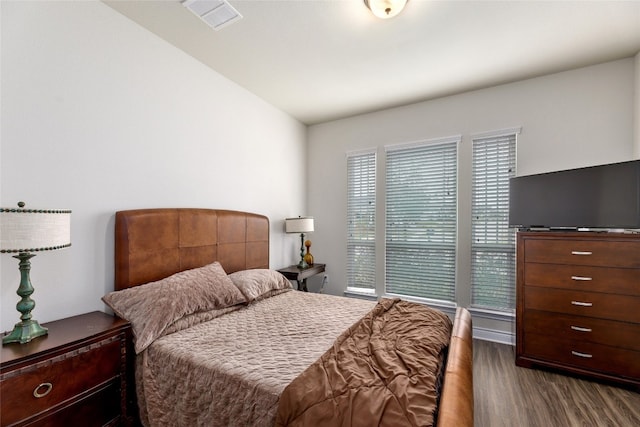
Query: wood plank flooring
{"type": "Point", "coordinates": [510, 396]}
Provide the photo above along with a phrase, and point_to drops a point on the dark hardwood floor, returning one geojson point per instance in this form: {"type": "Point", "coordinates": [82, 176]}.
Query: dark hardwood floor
{"type": "Point", "coordinates": [510, 396]}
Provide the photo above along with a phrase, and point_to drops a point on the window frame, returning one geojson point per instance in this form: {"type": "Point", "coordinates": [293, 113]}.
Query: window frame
{"type": "Point", "coordinates": [366, 268]}
{"type": "Point", "coordinates": [393, 269]}
{"type": "Point", "coordinates": [499, 238]}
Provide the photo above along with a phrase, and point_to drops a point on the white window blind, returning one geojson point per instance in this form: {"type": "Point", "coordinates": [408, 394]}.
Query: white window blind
{"type": "Point", "coordinates": [493, 242]}
{"type": "Point", "coordinates": [421, 219]}
{"type": "Point", "coordinates": [361, 220]}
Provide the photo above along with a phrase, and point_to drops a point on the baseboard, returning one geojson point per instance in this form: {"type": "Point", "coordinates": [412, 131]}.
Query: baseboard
{"type": "Point", "coordinates": [494, 336]}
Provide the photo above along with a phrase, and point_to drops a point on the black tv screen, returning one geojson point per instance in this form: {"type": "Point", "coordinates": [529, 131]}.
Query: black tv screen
{"type": "Point", "coordinates": [604, 197]}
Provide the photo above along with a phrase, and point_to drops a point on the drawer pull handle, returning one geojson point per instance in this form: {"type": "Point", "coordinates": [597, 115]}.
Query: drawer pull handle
{"type": "Point", "coordinates": [581, 253]}
{"type": "Point", "coordinates": [581, 278]}
{"type": "Point", "coordinates": [47, 386]}
{"type": "Point", "coordinates": [582, 304]}
{"type": "Point", "coordinates": [579, 329]}
{"type": "Point", "coordinates": [585, 355]}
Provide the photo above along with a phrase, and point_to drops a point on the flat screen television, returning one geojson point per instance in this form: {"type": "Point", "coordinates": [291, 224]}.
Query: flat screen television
{"type": "Point", "coordinates": [596, 197]}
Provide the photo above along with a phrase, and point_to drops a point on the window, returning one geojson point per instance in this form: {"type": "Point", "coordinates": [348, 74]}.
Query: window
{"type": "Point", "coordinates": [493, 242]}
{"type": "Point", "coordinates": [421, 219]}
{"type": "Point", "coordinates": [361, 221]}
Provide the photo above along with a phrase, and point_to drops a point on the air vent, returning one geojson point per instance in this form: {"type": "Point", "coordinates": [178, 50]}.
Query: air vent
{"type": "Point", "coordinates": [216, 13]}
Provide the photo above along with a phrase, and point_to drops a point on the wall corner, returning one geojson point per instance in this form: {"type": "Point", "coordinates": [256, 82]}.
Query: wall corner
{"type": "Point", "coordinates": [636, 108]}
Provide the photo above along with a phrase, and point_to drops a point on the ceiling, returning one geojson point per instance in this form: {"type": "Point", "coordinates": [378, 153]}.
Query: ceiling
{"type": "Point", "coordinates": [320, 60]}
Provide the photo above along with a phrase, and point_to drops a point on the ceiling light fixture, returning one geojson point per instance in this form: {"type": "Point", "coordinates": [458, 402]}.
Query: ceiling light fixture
{"type": "Point", "coordinates": [385, 8]}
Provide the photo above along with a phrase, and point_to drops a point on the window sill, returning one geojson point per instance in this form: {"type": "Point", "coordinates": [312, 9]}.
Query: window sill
{"type": "Point", "coordinates": [492, 314]}
{"type": "Point", "coordinates": [361, 293]}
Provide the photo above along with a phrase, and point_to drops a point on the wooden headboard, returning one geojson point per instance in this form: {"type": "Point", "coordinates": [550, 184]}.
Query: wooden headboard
{"type": "Point", "coordinates": [151, 244]}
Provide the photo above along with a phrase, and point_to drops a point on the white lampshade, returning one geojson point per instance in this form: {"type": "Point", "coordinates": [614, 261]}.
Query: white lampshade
{"type": "Point", "coordinates": [385, 8]}
{"type": "Point", "coordinates": [33, 230]}
{"type": "Point", "coordinates": [299, 225]}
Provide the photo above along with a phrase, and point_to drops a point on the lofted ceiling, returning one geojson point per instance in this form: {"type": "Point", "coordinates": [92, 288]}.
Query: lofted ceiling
{"type": "Point", "coordinates": [320, 60]}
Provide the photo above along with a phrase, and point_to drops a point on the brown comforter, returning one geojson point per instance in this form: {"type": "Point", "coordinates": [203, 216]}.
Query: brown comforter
{"type": "Point", "coordinates": [229, 371]}
{"type": "Point", "coordinates": [383, 371]}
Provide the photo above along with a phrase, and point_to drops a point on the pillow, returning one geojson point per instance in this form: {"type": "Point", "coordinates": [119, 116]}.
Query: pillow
{"type": "Point", "coordinates": [152, 307]}
{"type": "Point", "coordinates": [259, 282]}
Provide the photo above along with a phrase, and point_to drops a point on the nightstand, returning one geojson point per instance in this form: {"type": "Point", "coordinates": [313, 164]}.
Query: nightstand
{"type": "Point", "coordinates": [76, 375]}
{"type": "Point", "coordinates": [300, 275]}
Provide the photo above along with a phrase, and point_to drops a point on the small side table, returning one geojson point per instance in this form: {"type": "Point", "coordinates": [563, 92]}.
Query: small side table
{"type": "Point", "coordinates": [300, 275]}
{"type": "Point", "coordinates": [77, 374]}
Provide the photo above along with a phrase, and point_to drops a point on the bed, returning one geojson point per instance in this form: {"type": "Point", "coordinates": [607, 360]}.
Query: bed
{"type": "Point", "coordinates": [257, 353]}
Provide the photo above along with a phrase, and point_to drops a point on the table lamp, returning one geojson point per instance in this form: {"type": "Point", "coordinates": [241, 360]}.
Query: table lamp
{"type": "Point", "coordinates": [24, 231]}
{"type": "Point", "coordinates": [300, 225]}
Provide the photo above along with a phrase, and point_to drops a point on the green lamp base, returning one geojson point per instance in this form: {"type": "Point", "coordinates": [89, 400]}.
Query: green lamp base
{"type": "Point", "coordinates": [24, 332]}
{"type": "Point", "coordinates": [27, 329]}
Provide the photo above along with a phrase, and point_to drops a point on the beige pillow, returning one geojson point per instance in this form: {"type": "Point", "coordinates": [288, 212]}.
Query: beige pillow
{"type": "Point", "coordinates": [152, 307]}
{"type": "Point", "coordinates": [259, 283]}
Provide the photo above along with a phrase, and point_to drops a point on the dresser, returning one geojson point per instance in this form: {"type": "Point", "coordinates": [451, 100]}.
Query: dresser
{"type": "Point", "coordinates": [578, 304]}
{"type": "Point", "coordinates": [74, 376]}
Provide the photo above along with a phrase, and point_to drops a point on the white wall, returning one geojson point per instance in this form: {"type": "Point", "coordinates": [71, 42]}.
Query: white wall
{"type": "Point", "coordinates": [571, 119]}
{"type": "Point", "coordinates": [99, 115]}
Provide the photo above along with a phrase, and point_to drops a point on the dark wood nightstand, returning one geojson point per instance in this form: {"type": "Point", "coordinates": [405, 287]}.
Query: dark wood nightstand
{"type": "Point", "coordinates": [75, 375]}
{"type": "Point", "coordinates": [300, 275]}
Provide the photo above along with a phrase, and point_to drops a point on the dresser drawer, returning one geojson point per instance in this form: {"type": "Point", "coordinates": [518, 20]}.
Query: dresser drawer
{"type": "Point", "coordinates": [599, 253]}
{"type": "Point", "coordinates": [584, 355]}
{"type": "Point", "coordinates": [583, 329]}
{"type": "Point", "coordinates": [625, 281]}
{"type": "Point", "coordinates": [589, 304]}
{"type": "Point", "coordinates": [98, 409]}
{"type": "Point", "coordinates": [29, 391]}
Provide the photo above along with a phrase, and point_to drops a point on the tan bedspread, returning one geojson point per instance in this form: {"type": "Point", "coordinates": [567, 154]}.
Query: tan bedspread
{"type": "Point", "coordinates": [381, 372]}
{"type": "Point", "coordinates": [230, 371]}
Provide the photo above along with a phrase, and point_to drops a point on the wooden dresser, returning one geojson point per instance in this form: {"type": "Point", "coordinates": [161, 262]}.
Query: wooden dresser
{"type": "Point", "coordinates": [578, 304]}
{"type": "Point", "coordinates": [74, 376]}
